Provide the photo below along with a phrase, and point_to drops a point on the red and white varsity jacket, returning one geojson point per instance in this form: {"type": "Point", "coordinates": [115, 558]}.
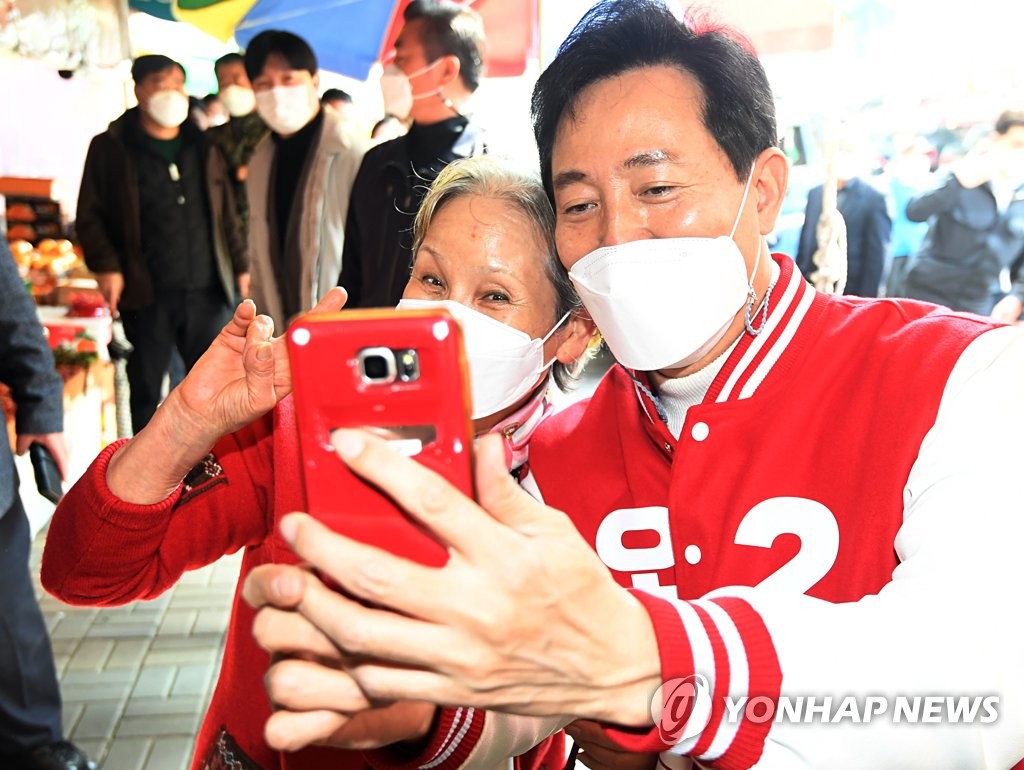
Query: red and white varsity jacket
{"type": "Point", "coordinates": [836, 528]}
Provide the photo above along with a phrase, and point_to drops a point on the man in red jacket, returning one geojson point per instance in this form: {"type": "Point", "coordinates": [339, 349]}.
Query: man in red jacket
{"type": "Point", "coordinates": [781, 537]}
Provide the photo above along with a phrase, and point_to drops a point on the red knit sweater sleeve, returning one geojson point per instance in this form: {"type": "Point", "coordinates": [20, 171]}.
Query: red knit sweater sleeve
{"type": "Point", "coordinates": [101, 550]}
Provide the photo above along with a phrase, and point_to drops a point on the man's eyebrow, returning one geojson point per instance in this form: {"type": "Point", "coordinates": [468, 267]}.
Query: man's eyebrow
{"type": "Point", "coordinates": [650, 158]}
{"type": "Point", "coordinates": [566, 178]}
{"type": "Point", "coordinates": [639, 160]}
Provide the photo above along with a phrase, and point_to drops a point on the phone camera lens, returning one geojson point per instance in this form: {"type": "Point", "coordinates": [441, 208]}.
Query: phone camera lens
{"type": "Point", "coordinates": [377, 365]}
{"type": "Point", "coordinates": [376, 368]}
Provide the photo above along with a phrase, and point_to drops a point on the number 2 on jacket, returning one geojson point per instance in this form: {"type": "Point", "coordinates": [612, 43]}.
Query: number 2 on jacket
{"type": "Point", "coordinates": [813, 523]}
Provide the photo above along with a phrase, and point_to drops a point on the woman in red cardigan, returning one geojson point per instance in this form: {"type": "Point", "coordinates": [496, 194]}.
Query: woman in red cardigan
{"type": "Point", "coordinates": [218, 464]}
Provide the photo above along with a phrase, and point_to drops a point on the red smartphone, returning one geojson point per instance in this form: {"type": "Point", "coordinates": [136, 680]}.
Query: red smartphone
{"type": "Point", "coordinates": [398, 374]}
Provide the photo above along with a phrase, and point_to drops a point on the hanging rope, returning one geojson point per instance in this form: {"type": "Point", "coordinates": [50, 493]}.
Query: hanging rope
{"type": "Point", "coordinates": [830, 256]}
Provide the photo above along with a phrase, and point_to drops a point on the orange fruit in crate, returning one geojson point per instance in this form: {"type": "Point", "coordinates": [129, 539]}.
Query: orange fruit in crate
{"type": "Point", "coordinates": [23, 252]}
{"type": "Point", "coordinates": [54, 246]}
{"type": "Point", "coordinates": [19, 246]}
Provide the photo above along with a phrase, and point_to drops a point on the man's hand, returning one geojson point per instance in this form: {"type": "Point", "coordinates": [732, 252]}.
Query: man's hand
{"type": "Point", "coordinates": [111, 285]}
{"type": "Point", "coordinates": [52, 441]}
{"type": "Point", "coordinates": [523, 618]}
{"type": "Point", "coordinates": [244, 282]}
{"type": "Point", "coordinates": [317, 703]}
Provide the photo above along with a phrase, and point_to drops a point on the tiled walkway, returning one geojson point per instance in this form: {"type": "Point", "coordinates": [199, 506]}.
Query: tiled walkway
{"type": "Point", "coordinates": [136, 679]}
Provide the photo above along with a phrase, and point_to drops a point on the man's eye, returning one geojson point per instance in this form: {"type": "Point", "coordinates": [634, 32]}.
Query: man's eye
{"type": "Point", "coordinates": [578, 208]}
{"type": "Point", "coordinates": [496, 296]}
{"type": "Point", "coordinates": [658, 190]}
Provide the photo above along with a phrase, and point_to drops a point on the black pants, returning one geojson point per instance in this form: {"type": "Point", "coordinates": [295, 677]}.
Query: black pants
{"type": "Point", "coordinates": [30, 713]}
{"type": "Point", "coordinates": [184, 320]}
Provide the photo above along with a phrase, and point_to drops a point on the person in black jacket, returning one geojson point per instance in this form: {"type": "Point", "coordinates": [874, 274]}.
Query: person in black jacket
{"type": "Point", "coordinates": [31, 735]}
{"type": "Point", "coordinates": [868, 230]}
{"type": "Point", "coordinates": [437, 67]}
{"type": "Point", "coordinates": [158, 225]}
{"type": "Point", "coordinates": [975, 232]}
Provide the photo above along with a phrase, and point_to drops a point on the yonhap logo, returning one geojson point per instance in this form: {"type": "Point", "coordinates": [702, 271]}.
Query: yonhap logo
{"type": "Point", "coordinates": [682, 708]}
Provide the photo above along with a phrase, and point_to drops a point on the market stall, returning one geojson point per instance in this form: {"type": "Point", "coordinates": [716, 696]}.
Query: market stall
{"type": "Point", "coordinates": [77, 323]}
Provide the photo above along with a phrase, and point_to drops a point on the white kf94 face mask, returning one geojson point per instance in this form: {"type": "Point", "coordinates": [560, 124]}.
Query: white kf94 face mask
{"type": "Point", "coordinates": [504, 363]}
{"type": "Point", "coordinates": [664, 303]}
{"type": "Point", "coordinates": [286, 109]}
{"type": "Point", "coordinates": [169, 108]}
{"type": "Point", "coordinates": [396, 89]}
{"type": "Point", "coordinates": [238, 100]}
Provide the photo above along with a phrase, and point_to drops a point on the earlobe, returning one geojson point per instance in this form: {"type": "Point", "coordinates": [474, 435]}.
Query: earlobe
{"type": "Point", "coordinates": [770, 187]}
{"type": "Point", "coordinates": [452, 67]}
{"type": "Point", "coordinates": [581, 331]}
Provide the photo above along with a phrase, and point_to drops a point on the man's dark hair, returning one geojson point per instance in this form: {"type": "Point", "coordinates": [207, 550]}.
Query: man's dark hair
{"type": "Point", "coordinates": [292, 48]}
{"type": "Point", "coordinates": [451, 30]}
{"type": "Point", "coordinates": [336, 95]}
{"type": "Point", "coordinates": [1009, 119]}
{"type": "Point", "coordinates": [228, 58]}
{"type": "Point", "coordinates": [617, 36]}
{"type": "Point", "coordinates": [150, 64]}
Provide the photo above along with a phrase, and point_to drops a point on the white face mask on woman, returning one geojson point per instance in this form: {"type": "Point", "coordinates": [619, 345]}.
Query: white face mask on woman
{"type": "Point", "coordinates": [504, 363]}
{"type": "Point", "coordinates": [238, 100]}
{"type": "Point", "coordinates": [286, 109]}
{"type": "Point", "coordinates": [664, 303]}
{"type": "Point", "coordinates": [169, 107]}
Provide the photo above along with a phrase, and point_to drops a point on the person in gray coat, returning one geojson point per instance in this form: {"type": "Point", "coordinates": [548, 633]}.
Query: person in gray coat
{"type": "Point", "coordinates": [31, 734]}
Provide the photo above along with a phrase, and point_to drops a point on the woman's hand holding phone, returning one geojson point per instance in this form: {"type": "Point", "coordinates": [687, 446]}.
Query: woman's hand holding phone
{"type": "Point", "coordinates": [241, 377]}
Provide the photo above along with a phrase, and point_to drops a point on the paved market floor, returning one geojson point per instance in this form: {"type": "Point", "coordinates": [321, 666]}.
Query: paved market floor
{"type": "Point", "coordinates": [136, 679]}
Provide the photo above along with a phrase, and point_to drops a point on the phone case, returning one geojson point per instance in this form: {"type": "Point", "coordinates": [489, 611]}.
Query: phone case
{"type": "Point", "coordinates": [399, 374]}
{"type": "Point", "coordinates": [47, 474]}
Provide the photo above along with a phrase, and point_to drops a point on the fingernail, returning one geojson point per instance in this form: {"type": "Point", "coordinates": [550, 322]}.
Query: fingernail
{"type": "Point", "coordinates": [286, 585]}
{"type": "Point", "coordinates": [264, 352]}
{"type": "Point", "coordinates": [289, 528]}
{"type": "Point", "coordinates": [347, 443]}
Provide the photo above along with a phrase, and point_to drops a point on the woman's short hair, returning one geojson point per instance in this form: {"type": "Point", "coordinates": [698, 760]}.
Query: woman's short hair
{"type": "Point", "coordinates": [489, 177]}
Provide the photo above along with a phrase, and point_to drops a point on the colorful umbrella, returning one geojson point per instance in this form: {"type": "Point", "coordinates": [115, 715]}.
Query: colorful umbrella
{"type": "Point", "coordinates": [348, 36]}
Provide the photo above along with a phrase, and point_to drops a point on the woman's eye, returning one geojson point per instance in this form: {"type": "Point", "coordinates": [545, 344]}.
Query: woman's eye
{"type": "Point", "coordinates": [428, 279]}
{"type": "Point", "coordinates": [496, 296]}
